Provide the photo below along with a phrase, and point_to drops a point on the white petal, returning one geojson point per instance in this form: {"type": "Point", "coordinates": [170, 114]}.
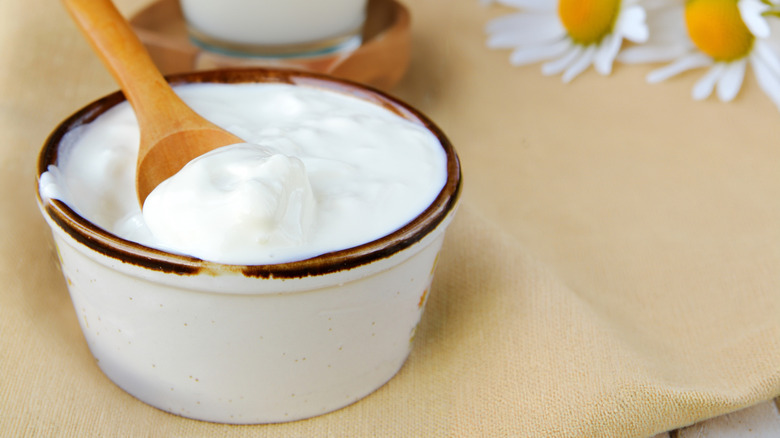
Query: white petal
{"type": "Point", "coordinates": [657, 4]}
{"type": "Point", "coordinates": [751, 12]}
{"type": "Point", "coordinates": [523, 21]}
{"type": "Point", "coordinates": [536, 5]}
{"type": "Point", "coordinates": [767, 80]}
{"type": "Point", "coordinates": [523, 29]}
{"type": "Point", "coordinates": [731, 80]}
{"type": "Point", "coordinates": [562, 63]}
{"type": "Point", "coordinates": [606, 53]}
{"type": "Point", "coordinates": [767, 55]}
{"type": "Point", "coordinates": [631, 24]}
{"type": "Point", "coordinates": [773, 41]}
{"type": "Point", "coordinates": [652, 53]}
{"type": "Point", "coordinates": [510, 40]}
{"type": "Point", "coordinates": [532, 54]}
{"type": "Point", "coordinates": [703, 88]}
{"type": "Point", "coordinates": [580, 64]}
{"type": "Point", "coordinates": [687, 62]}
{"type": "Point", "coordinates": [505, 23]}
{"type": "Point", "coordinates": [668, 25]}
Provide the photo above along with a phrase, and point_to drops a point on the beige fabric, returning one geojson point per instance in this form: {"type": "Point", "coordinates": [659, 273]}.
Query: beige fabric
{"type": "Point", "coordinates": [614, 269]}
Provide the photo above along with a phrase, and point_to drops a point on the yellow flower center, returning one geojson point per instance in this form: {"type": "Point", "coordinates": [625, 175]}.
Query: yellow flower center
{"type": "Point", "coordinates": [717, 29]}
{"type": "Point", "coordinates": [588, 21]}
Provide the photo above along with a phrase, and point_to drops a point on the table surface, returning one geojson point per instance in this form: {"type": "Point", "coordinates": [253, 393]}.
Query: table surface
{"type": "Point", "coordinates": [614, 269]}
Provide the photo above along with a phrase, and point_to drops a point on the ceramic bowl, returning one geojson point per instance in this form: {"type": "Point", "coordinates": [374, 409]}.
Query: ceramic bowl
{"type": "Point", "coordinates": [250, 344]}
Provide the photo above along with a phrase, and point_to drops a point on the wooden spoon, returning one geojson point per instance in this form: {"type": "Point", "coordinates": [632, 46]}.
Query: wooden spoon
{"type": "Point", "coordinates": [172, 134]}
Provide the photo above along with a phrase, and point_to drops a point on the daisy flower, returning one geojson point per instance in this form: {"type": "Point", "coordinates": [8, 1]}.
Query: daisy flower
{"type": "Point", "coordinates": [724, 35]}
{"type": "Point", "coordinates": [571, 35]}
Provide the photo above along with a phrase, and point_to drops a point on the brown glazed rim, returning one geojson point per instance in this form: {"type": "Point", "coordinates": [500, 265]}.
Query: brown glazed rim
{"type": "Point", "coordinates": [126, 251]}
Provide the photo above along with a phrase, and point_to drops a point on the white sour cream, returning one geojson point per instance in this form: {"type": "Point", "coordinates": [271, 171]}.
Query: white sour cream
{"type": "Point", "coordinates": [323, 172]}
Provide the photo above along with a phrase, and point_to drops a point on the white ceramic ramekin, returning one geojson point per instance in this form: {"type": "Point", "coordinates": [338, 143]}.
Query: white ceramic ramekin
{"type": "Point", "coordinates": [250, 344]}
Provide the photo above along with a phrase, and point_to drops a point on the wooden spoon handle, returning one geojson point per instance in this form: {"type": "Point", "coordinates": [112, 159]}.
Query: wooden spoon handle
{"type": "Point", "coordinates": [131, 66]}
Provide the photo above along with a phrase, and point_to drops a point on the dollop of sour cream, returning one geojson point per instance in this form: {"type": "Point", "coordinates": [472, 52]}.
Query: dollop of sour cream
{"type": "Point", "coordinates": [244, 197]}
{"type": "Point", "coordinates": [321, 172]}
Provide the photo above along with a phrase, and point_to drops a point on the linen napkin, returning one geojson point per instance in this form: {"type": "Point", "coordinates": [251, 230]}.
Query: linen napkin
{"type": "Point", "coordinates": [614, 269]}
